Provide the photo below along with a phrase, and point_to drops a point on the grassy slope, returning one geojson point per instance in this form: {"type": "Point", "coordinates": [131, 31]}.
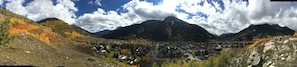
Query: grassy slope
{"type": "Point", "coordinates": [37, 45]}
{"type": "Point", "coordinates": [57, 26]}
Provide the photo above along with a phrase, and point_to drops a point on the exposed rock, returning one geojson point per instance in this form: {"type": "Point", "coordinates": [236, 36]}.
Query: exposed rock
{"type": "Point", "coordinates": [280, 51]}
{"type": "Point", "coordinates": [269, 46]}
{"type": "Point", "coordinates": [286, 41]}
{"type": "Point", "coordinates": [293, 39]}
{"type": "Point", "coordinates": [289, 58]}
{"type": "Point", "coordinates": [28, 52]}
{"type": "Point", "coordinates": [284, 48]}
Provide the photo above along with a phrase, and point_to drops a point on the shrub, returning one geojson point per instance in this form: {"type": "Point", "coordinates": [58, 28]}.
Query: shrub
{"type": "Point", "coordinates": [126, 52]}
{"type": "Point", "coordinates": [73, 34]}
{"type": "Point", "coordinates": [146, 58]}
{"type": "Point", "coordinates": [5, 37]}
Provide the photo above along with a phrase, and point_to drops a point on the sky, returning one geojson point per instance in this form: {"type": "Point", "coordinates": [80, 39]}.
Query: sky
{"type": "Point", "coordinates": [216, 16]}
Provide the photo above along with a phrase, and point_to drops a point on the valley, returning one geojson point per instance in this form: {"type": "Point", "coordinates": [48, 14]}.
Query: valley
{"type": "Point", "coordinates": [170, 42]}
{"type": "Point", "coordinates": [166, 51]}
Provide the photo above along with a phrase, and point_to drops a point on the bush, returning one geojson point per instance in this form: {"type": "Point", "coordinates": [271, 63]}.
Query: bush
{"type": "Point", "coordinates": [5, 37]}
{"type": "Point", "coordinates": [146, 58]}
{"type": "Point", "coordinates": [126, 52]}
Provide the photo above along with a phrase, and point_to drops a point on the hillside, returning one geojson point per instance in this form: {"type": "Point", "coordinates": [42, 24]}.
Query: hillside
{"type": "Point", "coordinates": [279, 51]}
{"type": "Point", "coordinates": [24, 42]}
{"type": "Point", "coordinates": [61, 27]}
{"type": "Point", "coordinates": [170, 29]}
{"type": "Point", "coordinates": [259, 31]}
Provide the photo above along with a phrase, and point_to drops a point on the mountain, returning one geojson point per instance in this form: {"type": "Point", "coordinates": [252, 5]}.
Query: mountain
{"type": "Point", "coordinates": [226, 35]}
{"type": "Point", "coordinates": [170, 29]}
{"type": "Point", "coordinates": [61, 27]}
{"type": "Point", "coordinates": [28, 43]}
{"type": "Point", "coordinates": [101, 33]}
{"type": "Point", "coordinates": [260, 31]}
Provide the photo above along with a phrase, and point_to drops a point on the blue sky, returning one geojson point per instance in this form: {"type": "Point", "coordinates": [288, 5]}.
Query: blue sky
{"type": "Point", "coordinates": [216, 16]}
{"type": "Point", "coordinates": [85, 7]}
{"type": "Point", "coordinates": [107, 5]}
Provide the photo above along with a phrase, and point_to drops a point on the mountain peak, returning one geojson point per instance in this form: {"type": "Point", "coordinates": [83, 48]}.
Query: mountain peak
{"type": "Point", "coordinates": [262, 30]}
{"type": "Point", "coordinates": [170, 18]}
{"type": "Point", "coordinates": [49, 19]}
{"type": "Point", "coordinates": [170, 29]}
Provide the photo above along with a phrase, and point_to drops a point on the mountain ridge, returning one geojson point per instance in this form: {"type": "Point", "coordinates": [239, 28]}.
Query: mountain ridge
{"type": "Point", "coordinates": [258, 31]}
{"type": "Point", "coordinates": [170, 29]}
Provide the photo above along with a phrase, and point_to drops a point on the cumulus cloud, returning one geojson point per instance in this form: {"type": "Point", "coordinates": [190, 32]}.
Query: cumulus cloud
{"type": "Point", "coordinates": [138, 11]}
{"type": "Point", "coordinates": [223, 16]}
{"type": "Point", "coordinates": [41, 9]}
{"type": "Point", "coordinates": [216, 16]}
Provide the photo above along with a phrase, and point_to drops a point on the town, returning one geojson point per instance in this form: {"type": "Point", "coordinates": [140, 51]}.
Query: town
{"type": "Point", "coordinates": [162, 51]}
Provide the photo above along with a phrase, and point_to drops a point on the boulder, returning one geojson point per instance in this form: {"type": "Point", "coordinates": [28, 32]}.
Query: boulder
{"type": "Point", "coordinates": [269, 46]}
{"type": "Point", "coordinates": [286, 41]}
{"type": "Point", "coordinates": [293, 39]}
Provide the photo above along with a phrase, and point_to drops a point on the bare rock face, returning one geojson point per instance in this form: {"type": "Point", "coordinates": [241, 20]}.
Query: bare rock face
{"type": "Point", "coordinates": [278, 52]}
{"type": "Point", "coordinates": [269, 46]}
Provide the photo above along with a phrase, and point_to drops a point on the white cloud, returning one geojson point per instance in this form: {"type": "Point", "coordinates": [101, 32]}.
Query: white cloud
{"type": "Point", "coordinates": [138, 11]}
{"type": "Point", "coordinates": [235, 16]}
{"type": "Point", "coordinates": [41, 9]}
{"type": "Point", "coordinates": [96, 2]}
{"type": "Point", "coordinates": [1, 2]}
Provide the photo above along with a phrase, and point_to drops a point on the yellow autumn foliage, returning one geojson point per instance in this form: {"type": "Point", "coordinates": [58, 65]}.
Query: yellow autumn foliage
{"type": "Point", "coordinates": [146, 58]}
{"type": "Point", "coordinates": [85, 44]}
{"type": "Point", "coordinates": [126, 52]}
{"type": "Point", "coordinates": [2, 19]}
{"type": "Point", "coordinates": [19, 26]}
{"type": "Point", "coordinates": [259, 41]}
{"type": "Point", "coordinates": [73, 34]}
{"type": "Point", "coordinates": [43, 37]}
{"type": "Point", "coordinates": [16, 20]}
{"type": "Point", "coordinates": [22, 28]}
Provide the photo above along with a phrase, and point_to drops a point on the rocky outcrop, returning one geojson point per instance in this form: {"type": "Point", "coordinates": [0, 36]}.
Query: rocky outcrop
{"type": "Point", "coordinates": [280, 51]}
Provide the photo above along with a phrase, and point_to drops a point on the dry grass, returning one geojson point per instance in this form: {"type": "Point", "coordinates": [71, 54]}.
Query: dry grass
{"type": "Point", "coordinates": [259, 41]}
{"type": "Point", "coordinates": [74, 34]}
